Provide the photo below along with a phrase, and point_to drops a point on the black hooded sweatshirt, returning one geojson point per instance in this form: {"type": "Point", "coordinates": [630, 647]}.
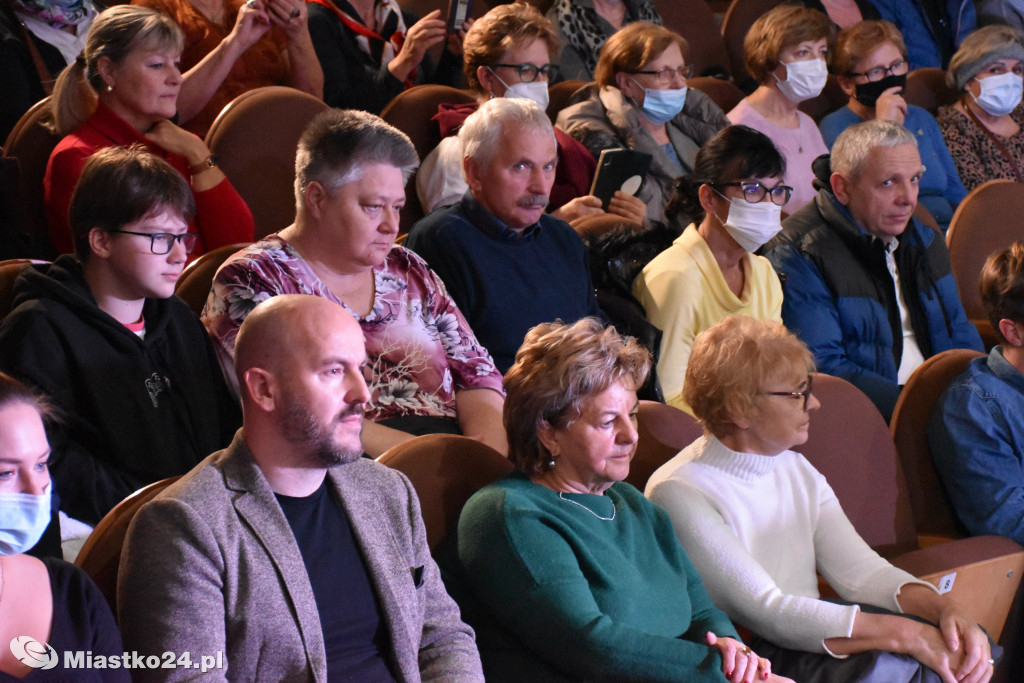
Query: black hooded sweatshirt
{"type": "Point", "coordinates": [132, 411]}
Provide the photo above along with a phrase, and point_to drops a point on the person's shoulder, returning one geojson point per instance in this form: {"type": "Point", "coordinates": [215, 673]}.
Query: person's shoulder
{"type": "Point", "coordinates": [443, 223]}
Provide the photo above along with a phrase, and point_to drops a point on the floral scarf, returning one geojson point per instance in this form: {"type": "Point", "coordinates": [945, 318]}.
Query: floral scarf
{"type": "Point", "coordinates": [57, 13]}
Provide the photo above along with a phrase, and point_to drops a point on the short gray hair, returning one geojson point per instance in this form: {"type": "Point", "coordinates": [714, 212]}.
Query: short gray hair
{"type": "Point", "coordinates": [338, 144]}
{"type": "Point", "coordinates": [482, 131]}
{"type": "Point", "coordinates": [853, 145]}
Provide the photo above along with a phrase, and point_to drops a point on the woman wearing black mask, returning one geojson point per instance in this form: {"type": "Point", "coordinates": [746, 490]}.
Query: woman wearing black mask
{"type": "Point", "coordinates": [871, 64]}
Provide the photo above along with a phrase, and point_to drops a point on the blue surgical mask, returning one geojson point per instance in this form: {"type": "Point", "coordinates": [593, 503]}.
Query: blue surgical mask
{"type": "Point", "coordinates": [1000, 94]}
{"type": "Point", "coordinates": [661, 106]}
{"type": "Point", "coordinates": [23, 519]}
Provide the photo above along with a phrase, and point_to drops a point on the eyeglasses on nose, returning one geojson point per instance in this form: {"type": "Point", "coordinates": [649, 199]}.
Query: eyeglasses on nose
{"type": "Point", "coordinates": [528, 72]}
{"type": "Point", "coordinates": [755, 192]}
{"type": "Point", "coordinates": [160, 243]}
{"type": "Point", "coordinates": [665, 74]}
{"type": "Point", "coordinates": [805, 394]}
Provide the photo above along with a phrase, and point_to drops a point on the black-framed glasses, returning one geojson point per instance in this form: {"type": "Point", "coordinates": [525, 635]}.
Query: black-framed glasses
{"type": "Point", "coordinates": [805, 394]}
{"type": "Point", "coordinates": [897, 68]}
{"type": "Point", "coordinates": [754, 192]}
{"type": "Point", "coordinates": [528, 72]}
{"type": "Point", "coordinates": [160, 243]}
{"type": "Point", "coordinates": [665, 73]}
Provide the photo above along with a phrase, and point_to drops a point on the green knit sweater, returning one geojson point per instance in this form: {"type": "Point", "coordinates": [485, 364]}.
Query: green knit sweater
{"type": "Point", "coordinates": [555, 592]}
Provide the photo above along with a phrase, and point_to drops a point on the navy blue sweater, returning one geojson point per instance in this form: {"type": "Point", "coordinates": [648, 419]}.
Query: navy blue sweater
{"type": "Point", "coordinates": [505, 283]}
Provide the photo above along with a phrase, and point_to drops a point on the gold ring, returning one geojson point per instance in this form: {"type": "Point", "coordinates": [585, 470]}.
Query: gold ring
{"type": "Point", "coordinates": [745, 651]}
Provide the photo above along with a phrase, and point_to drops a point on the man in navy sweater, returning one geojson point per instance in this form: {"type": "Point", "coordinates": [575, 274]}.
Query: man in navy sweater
{"type": "Point", "coordinates": [507, 264]}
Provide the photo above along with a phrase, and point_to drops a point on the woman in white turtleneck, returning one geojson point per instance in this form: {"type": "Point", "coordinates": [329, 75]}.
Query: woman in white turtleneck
{"type": "Point", "coordinates": [759, 522]}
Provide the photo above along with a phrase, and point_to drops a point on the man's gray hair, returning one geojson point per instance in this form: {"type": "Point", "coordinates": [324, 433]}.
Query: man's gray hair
{"type": "Point", "coordinates": [338, 144]}
{"type": "Point", "coordinates": [482, 131]}
{"type": "Point", "coordinates": [853, 145]}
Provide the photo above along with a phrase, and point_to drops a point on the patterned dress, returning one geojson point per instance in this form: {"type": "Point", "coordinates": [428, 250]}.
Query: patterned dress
{"type": "Point", "coordinates": [418, 344]}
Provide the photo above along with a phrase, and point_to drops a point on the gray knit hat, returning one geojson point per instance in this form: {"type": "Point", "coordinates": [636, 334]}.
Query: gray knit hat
{"type": "Point", "coordinates": [981, 48]}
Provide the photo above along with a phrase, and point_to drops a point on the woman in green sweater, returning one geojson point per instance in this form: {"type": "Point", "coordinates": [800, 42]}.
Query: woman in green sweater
{"type": "Point", "coordinates": [564, 571]}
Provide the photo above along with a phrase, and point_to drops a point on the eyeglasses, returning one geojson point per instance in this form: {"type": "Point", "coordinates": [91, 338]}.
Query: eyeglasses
{"type": "Point", "coordinates": [755, 192]}
{"type": "Point", "coordinates": [528, 72]}
{"type": "Point", "coordinates": [805, 394]}
{"type": "Point", "coordinates": [879, 72]}
{"type": "Point", "coordinates": [160, 243]}
{"type": "Point", "coordinates": [666, 73]}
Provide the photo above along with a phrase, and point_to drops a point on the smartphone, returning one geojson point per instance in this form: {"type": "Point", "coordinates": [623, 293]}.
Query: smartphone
{"type": "Point", "coordinates": [458, 12]}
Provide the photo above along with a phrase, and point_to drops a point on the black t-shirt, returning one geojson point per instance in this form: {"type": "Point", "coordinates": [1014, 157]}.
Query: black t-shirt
{"type": "Point", "coordinates": [355, 636]}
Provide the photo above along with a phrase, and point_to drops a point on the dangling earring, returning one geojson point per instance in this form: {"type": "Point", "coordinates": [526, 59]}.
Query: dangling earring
{"type": "Point", "coordinates": [551, 462]}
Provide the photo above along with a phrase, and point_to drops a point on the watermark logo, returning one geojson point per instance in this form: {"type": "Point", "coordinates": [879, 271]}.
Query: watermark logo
{"type": "Point", "coordinates": [31, 652]}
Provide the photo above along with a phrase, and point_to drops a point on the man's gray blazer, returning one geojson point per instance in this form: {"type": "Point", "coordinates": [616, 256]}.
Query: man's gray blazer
{"type": "Point", "coordinates": [211, 565]}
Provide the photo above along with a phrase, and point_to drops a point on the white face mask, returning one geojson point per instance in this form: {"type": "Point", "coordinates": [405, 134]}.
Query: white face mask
{"type": "Point", "coordinates": [1000, 94]}
{"type": "Point", "coordinates": [804, 80]}
{"type": "Point", "coordinates": [23, 519]}
{"type": "Point", "coordinates": [751, 225]}
{"type": "Point", "coordinates": [536, 91]}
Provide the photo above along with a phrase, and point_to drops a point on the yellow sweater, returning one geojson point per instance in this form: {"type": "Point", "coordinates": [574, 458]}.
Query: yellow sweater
{"type": "Point", "coordinates": [684, 293]}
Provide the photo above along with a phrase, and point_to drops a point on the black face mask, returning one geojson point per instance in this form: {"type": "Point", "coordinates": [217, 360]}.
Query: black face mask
{"type": "Point", "coordinates": [868, 93]}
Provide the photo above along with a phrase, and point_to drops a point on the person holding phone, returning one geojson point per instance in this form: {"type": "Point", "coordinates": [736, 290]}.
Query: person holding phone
{"type": "Point", "coordinates": [233, 46]}
{"type": "Point", "coordinates": [871, 63]}
{"type": "Point", "coordinates": [372, 50]}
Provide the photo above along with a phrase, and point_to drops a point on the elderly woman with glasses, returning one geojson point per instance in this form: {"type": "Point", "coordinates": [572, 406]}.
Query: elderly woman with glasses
{"type": "Point", "coordinates": [871, 61]}
{"type": "Point", "coordinates": [759, 520]}
{"type": "Point", "coordinates": [985, 128]}
{"type": "Point", "coordinates": [736, 194]}
{"type": "Point", "coordinates": [564, 571]}
{"type": "Point", "coordinates": [641, 102]}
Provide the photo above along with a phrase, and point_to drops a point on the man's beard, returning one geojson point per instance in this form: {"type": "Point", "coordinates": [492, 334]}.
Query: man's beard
{"type": "Point", "coordinates": [302, 428]}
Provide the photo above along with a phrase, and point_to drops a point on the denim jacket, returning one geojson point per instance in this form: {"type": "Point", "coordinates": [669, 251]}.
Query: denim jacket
{"type": "Point", "coordinates": [976, 435]}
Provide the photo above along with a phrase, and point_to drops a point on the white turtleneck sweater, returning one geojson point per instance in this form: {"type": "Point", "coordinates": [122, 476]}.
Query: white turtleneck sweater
{"type": "Point", "coordinates": [759, 528]}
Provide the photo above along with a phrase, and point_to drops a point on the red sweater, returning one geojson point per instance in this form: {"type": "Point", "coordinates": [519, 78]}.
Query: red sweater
{"type": "Point", "coordinates": [222, 216]}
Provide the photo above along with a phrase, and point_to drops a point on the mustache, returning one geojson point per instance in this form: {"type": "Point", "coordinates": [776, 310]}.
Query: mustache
{"type": "Point", "coordinates": [533, 200]}
{"type": "Point", "coordinates": [355, 410]}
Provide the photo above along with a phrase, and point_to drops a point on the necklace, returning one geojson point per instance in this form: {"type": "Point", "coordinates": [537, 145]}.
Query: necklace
{"type": "Point", "coordinates": [606, 519]}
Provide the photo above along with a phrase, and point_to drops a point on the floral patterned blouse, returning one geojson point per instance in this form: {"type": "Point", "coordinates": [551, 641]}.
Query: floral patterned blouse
{"type": "Point", "coordinates": [418, 344]}
{"type": "Point", "coordinates": [976, 156]}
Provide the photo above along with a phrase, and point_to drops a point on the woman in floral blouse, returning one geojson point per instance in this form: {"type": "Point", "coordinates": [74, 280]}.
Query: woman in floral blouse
{"type": "Point", "coordinates": [426, 370]}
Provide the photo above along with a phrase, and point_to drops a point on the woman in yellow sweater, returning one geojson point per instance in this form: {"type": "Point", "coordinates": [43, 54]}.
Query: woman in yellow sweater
{"type": "Point", "coordinates": [734, 198]}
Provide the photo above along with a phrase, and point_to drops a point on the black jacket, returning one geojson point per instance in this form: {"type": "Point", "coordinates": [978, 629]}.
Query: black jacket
{"type": "Point", "coordinates": [133, 410]}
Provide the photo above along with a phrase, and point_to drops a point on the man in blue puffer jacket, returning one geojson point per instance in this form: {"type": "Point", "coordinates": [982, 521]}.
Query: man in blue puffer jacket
{"type": "Point", "coordinates": [932, 29]}
{"type": "Point", "coordinates": [866, 286]}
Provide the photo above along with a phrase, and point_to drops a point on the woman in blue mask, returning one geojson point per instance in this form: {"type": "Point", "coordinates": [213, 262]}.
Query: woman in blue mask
{"type": "Point", "coordinates": [641, 102]}
{"type": "Point", "coordinates": [983, 130]}
{"type": "Point", "coordinates": [871, 64]}
{"type": "Point", "coordinates": [47, 607]}
{"type": "Point", "coordinates": [736, 194]}
{"type": "Point", "coordinates": [785, 51]}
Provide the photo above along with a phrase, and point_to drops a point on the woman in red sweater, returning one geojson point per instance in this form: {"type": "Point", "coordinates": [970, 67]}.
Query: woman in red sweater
{"type": "Point", "coordinates": [122, 91]}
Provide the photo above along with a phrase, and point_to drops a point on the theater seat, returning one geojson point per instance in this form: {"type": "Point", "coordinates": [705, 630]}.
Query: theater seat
{"type": "Point", "coordinates": [663, 431]}
{"type": "Point", "coordinates": [445, 470]}
{"type": "Point", "coordinates": [100, 557]}
{"type": "Point", "coordinates": [195, 282]}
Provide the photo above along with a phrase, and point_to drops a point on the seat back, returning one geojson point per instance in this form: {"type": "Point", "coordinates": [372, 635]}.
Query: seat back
{"type": "Point", "coordinates": [694, 20]}
{"type": "Point", "coordinates": [663, 431]}
{"type": "Point", "coordinates": [445, 470]}
{"type": "Point", "coordinates": [723, 93]}
{"type": "Point", "coordinates": [851, 445]}
{"type": "Point", "coordinates": [9, 272]}
{"type": "Point", "coordinates": [827, 101]}
{"type": "Point", "coordinates": [738, 19]}
{"type": "Point", "coordinates": [561, 95]}
{"type": "Point", "coordinates": [195, 283]}
{"type": "Point", "coordinates": [933, 514]}
{"type": "Point", "coordinates": [100, 556]}
{"type": "Point", "coordinates": [926, 88]}
{"type": "Point", "coordinates": [255, 137]}
{"type": "Point", "coordinates": [31, 142]}
{"type": "Point", "coordinates": [411, 112]}
{"type": "Point", "coordinates": [988, 219]}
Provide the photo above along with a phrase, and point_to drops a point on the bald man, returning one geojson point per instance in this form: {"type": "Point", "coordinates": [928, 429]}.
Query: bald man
{"type": "Point", "coordinates": [287, 554]}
